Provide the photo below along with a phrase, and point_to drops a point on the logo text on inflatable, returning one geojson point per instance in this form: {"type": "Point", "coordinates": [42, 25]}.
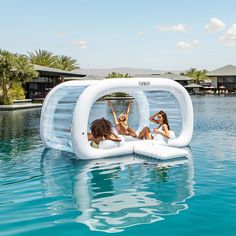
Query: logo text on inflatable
{"type": "Point", "coordinates": [144, 83]}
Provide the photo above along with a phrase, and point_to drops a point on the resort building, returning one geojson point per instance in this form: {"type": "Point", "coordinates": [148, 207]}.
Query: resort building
{"type": "Point", "coordinates": [224, 78]}
{"type": "Point", "coordinates": [136, 73]}
{"type": "Point", "coordinates": [48, 78]}
{"type": "Point", "coordinates": [38, 88]}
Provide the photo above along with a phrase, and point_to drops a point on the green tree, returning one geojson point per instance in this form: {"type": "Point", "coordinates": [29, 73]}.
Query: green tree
{"type": "Point", "coordinates": [191, 72]}
{"type": "Point", "coordinates": [66, 63]}
{"type": "Point", "coordinates": [42, 58]}
{"type": "Point", "coordinates": [14, 69]}
{"type": "Point", "coordinates": [114, 75]}
{"type": "Point", "coordinates": [16, 91]}
{"type": "Point", "coordinates": [117, 75]}
{"type": "Point", "coordinates": [46, 58]}
{"type": "Point", "coordinates": [197, 75]}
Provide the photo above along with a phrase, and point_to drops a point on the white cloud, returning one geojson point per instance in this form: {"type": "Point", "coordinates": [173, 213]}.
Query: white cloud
{"type": "Point", "coordinates": [80, 43]}
{"type": "Point", "coordinates": [141, 33]}
{"type": "Point", "coordinates": [229, 38]}
{"type": "Point", "coordinates": [173, 28]}
{"type": "Point", "coordinates": [195, 42]}
{"type": "Point", "coordinates": [184, 45]}
{"type": "Point", "coordinates": [215, 25]}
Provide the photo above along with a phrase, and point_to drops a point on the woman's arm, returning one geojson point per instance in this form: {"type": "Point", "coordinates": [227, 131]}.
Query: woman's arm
{"type": "Point", "coordinates": [165, 131]}
{"type": "Point", "coordinates": [152, 118]}
{"type": "Point", "coordinates": [113, 112]}
{"type": "Point", "coordinates": [114, 137]}
{"type": "Point", "coordinates": [128, 111]}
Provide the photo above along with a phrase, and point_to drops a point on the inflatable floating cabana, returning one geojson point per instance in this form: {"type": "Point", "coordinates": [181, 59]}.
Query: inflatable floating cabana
{"type": "Point", "coordinates": [65, 117]}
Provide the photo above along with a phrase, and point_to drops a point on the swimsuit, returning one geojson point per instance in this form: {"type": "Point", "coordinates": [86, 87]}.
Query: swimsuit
{"type": "Point", "coordinates": [158, 136]}
{"type": "Point", "coordinates": [94, 145]}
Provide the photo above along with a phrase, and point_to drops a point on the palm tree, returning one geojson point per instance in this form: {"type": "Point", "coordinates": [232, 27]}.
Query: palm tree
{"type": "Point", "coordinates": [197, 75]}
{"type": "Point", "coordinates": [191, 72]}
{"type": "Point", "coordinates": [66, 63]}
{"type": "Point", "coordinates": [42, 57]}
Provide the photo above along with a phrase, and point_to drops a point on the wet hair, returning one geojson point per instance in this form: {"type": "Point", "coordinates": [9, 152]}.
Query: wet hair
{"type": "Point", "coordinates": [165, 120]}
{"type": "Point", "coordinates": [101, 127]}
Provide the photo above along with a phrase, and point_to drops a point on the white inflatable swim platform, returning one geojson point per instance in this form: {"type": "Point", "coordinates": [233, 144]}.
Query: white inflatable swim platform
{"type": "Point", "coordinates": [65, 114]}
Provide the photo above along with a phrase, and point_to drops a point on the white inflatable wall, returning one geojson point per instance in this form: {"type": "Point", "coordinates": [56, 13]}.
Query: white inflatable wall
{"type": "Point", "coordinates": [66, 109]}
{"type": "Point", "coordinates": [57, 113]}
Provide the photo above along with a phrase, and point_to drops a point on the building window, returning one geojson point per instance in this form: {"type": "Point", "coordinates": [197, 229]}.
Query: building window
{"type": "Point", "coordinates": [227, 79]}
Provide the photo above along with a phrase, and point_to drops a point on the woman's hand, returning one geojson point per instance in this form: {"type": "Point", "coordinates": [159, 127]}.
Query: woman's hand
{"type": "Point", "coordinates": [152, 118]}
{"type": "Point", "coordinates": [115, 137]}
{"type": "Point", "coordinates": [109, 103]}
{"type": "Point", "coordinates": [155, 130]}
{"type": "Point", "coordinates": [165, 131]}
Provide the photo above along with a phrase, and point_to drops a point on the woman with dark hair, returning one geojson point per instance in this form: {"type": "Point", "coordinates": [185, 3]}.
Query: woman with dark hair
{"type": "Point", "coordinates": [163, 128]}
{"type": "Point", "coordinates": [101, 129]}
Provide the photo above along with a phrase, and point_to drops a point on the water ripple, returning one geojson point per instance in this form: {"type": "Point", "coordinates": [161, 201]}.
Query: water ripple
{"type": "Point", "coordinates": [44, 191]}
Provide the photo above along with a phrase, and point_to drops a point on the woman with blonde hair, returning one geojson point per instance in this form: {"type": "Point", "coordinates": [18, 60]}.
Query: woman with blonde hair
{"type": "Point", "coordinates": [121, 123]}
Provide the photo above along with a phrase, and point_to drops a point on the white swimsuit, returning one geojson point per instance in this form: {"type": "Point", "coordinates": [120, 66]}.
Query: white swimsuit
{"type": "Point", "coordinates": [160, 137]}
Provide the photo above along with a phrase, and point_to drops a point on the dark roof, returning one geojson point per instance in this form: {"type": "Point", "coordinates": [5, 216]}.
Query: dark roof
{"type": "Point", "coordinates": [228, 70]}
{"type": "Point", "coordinates": [176, 77]}
{"type": "Point", "coordinates": [88, 77]}
{"type": "Point", "coordinates": [57, 72]}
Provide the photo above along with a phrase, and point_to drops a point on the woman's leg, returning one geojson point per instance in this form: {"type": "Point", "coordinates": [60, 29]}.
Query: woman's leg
{"type": "Point", "coordinates": [132, 132]}
{"type": "Point", "coordinates": [145, 133]}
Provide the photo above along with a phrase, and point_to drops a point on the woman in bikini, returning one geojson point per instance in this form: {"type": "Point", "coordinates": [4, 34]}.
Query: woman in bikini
{"type": "Point", "coordinates": [163, 128]}
{"type": "Point", "coordinates": [101, 129]}
{"type": "Point", "coordinates": [121, 123]}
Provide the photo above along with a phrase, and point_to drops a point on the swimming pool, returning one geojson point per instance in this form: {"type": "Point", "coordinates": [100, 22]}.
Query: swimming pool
{"type": "Point", "coordinates": [48, 192]}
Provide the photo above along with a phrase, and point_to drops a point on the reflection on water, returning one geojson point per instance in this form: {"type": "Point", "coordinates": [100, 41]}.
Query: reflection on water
{"type": "Point", "coordinates": [106, 195]}
{"type": "Point", "coordinates": [116, 193]}
{"type": "Point", "coordinates": [15, 124]}
{"type": "Point", "coordinates": [19, 132]}
{"type": "Point", "coordinates": [119, 193]}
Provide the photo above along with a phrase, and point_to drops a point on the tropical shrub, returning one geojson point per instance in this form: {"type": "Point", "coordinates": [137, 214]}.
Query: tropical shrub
{"type": "Point", "coordinates": [117, 75]}
{"type": "Point", "coordinates": [14, 70]}
{"type": "Point", "coordinates": [16, 92]}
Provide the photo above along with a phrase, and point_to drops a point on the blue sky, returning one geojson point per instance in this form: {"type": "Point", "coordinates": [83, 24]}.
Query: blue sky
{"type": "Point", "coordinates": [153, 34]}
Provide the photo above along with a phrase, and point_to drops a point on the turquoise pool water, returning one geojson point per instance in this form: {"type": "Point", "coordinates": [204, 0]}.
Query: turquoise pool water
{"type": "Point", "coordinates": [48, 192]}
